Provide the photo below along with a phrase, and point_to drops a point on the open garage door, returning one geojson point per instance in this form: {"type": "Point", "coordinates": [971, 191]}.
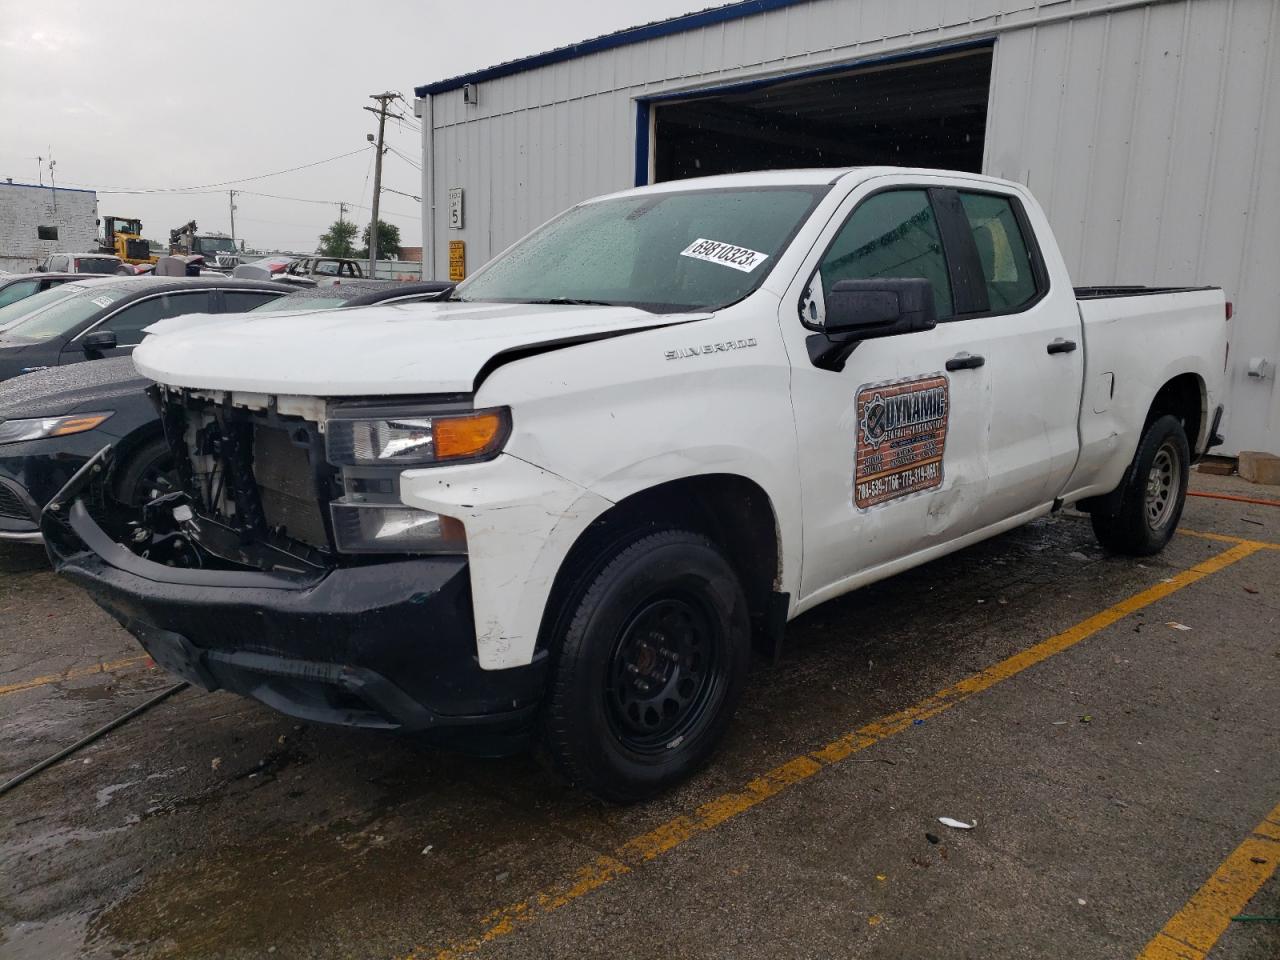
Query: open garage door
{"type": "Point", "coordinates": [928, 112]}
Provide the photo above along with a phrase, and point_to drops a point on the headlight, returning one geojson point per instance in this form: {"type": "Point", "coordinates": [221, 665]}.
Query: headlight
{"type": "Point", "coordinates": [418, 440]}
{"type": "Point", "coordinates": [370, 528]}
{"type": "Point", "coordinates": [16, 431]}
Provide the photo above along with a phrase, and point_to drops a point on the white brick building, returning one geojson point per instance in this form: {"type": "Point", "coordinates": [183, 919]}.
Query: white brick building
{"type": "Point", "coordinates": [36, 221]}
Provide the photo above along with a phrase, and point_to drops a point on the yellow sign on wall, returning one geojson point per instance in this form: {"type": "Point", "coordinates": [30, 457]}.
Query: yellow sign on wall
{"type": "Point", "coordinates": [457, 260]}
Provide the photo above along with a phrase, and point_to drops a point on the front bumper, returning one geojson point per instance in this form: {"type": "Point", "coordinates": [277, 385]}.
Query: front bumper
{"type": "Point", "coordinates": [387, 645]}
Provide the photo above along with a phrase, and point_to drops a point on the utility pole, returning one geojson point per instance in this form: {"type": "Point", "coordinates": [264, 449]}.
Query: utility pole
{"type": "Point", "coordinates": [233, 216]}
{"type": "Point", "coordinates": [381, 112]}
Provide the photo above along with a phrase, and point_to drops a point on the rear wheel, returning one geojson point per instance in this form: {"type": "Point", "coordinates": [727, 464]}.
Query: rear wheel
{"type": "Point", "coordinates": [650, 667]}
{"type": "Point", "coordinates": [1153, 495]}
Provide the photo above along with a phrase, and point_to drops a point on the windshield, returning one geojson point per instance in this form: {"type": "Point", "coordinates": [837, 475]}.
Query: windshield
{"type": "Point", "coordinates": [14, 313]}
{"type": "Point", "coordinates": [299, 303]}
{"type": "Point", "coordinates": [64, 314]}
{"type": "Point", "coordinates": [666, 253]}
{"type": "Point", "coordinates": [214, 245]}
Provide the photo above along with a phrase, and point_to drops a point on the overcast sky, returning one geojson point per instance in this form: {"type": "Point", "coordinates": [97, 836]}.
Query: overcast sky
{"type": "Point", "coordinates": [176, 95]}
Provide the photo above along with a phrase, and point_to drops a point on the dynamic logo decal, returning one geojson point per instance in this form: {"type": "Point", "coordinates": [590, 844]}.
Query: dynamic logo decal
{"type": "Point", "coordinates": [902, 436]}
{"type": "Point", "coordinates": [697, 351]}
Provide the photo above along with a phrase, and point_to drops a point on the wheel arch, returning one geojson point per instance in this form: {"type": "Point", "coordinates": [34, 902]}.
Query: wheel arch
{"type": "Point", "coordinates": [732, 511]}
{"type": "Point", "coordinates": [1184, 396]}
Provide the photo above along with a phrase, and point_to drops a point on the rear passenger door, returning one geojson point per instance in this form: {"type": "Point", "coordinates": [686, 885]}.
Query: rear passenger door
{"type": "Point", "coordinates": [1043, 391]}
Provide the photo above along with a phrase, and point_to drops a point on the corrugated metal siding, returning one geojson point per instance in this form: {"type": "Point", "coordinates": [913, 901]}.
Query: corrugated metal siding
{"type": "Point", "coordinates": [1150, 137]}
{"type": "Point", "coordinates": [1144, 127]}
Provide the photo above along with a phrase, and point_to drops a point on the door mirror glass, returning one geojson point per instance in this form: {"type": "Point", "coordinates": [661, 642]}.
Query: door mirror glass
{"type": "Point", "coordinates": [884, 307]}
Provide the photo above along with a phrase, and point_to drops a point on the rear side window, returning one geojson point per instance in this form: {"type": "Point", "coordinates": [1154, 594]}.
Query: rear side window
{"type": "Point", "coordinates": [1005, 260]}
{"type": "Point", "coordinates": [242, 301]}
{"type": "Point", "coordinates": [102, 265]}
{"type": "Point", "coordinates": [890, 235]}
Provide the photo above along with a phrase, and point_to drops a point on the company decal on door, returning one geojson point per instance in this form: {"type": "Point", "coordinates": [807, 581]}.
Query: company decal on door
{"type": "Point", "coordinates": [902, 436]}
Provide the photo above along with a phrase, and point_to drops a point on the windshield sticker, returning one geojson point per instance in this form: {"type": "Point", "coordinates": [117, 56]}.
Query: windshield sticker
{"type": "Point", "coordinates": [103, 301]}
{"type": "Point", "coordinates": [902, 436]}
{"type": "Point", "coordinates": [725, 254]}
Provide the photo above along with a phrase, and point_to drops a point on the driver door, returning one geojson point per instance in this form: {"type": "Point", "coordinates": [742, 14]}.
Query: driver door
{"type": "Point", "coordinates": [894, 446]}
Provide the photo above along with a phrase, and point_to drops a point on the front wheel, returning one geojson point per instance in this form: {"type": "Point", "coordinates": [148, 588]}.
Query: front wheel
{"type": "Point", "coordinates": [1153, 494]}
{"type": "Point", "coordinates": [650, 667]}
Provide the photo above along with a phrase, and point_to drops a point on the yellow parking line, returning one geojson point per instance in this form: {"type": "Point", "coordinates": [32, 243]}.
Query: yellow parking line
{"type": "Point", "coordinates": [1223, 538]}
{"type": "Point", "coordinates": [1194, 929]}
{"type": "Point", "coordinates": [73, 674]}
{"type": "Point", "coordinates": [708, 816]}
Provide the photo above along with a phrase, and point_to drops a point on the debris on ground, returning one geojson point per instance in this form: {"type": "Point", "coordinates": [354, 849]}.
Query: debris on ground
{"type": "Point", "coordinates": [957, 824]}
{"type": "Point", "coordinates": [1250, 589]}
{"type": "Point", "coordinates": [933, 838]}
{"type": "Point", "coordinates": [1176, 625]}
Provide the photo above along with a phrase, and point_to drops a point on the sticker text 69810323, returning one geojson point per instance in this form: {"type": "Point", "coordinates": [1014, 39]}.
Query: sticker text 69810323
{"type": "Point", "coordinates": [902, 437]}
{"type": "Point", "coordinates": [725, 254]}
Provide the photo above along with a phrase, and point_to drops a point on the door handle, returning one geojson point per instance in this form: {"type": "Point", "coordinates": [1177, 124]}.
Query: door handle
{"type": "Point", "coordinates": [965, 361]}
{"type": "Point", "coordinates": [1060, 345]}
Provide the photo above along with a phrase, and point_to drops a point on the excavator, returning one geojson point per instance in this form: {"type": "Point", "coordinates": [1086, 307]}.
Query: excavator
{"type": "Point", "coordinates": [122, 236]}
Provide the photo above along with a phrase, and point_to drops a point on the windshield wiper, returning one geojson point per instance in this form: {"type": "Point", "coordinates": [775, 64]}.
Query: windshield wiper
{"type": "Point", "coordinates": [572, 302]}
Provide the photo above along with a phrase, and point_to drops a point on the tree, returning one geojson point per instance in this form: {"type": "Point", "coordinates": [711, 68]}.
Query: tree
{"type": "Point", "coordinates": [340, 240]}
{"type": "Point", "coordinates": [388, 241]}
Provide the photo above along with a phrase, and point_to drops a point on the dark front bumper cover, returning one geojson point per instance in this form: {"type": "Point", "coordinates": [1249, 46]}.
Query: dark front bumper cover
{"type": "Point", "coordinates": [386, 645]}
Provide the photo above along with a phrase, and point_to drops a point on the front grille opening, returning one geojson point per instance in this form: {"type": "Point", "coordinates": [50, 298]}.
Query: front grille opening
{"type": "Point", "coordinates": [286, 485]}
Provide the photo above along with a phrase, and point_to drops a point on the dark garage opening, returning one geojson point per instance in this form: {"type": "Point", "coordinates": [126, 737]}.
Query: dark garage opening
{"type": "Point", "coordinates": [922, 113]}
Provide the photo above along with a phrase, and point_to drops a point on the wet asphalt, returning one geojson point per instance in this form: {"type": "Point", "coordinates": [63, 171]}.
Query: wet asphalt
{"type": "Point", "coordinates": [1108, 782]}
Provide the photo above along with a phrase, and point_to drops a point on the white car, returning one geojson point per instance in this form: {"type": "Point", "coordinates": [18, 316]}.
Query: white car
{"type": "Point", "coordinates": [661, 425]}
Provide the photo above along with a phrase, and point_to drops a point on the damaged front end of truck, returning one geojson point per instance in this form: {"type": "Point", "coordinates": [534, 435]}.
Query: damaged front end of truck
{"type": "Point", "coordinates": [286, 567]}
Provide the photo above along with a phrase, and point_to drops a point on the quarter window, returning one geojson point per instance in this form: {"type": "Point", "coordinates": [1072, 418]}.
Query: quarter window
{"type": "Point", "coordinates": [1002, 250]}
{"type": "Point", "coordinates": [890, 235]}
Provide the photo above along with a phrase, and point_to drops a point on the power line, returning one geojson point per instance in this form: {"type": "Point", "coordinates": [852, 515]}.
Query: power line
{"type": "Point", "coordinates": [406, 158]}
{"type": "Point", "coordinates": [223, 183]}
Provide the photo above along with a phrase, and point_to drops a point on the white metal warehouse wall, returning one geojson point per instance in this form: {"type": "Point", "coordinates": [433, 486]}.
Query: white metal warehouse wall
{"type": "Point", "coordinates": [1148, 129]}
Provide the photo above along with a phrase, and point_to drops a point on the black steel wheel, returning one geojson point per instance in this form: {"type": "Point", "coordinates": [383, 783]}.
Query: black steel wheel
{"type": "Point", "coordinates": [649, 667]}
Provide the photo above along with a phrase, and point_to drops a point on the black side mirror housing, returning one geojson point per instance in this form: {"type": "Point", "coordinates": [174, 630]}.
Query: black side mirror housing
{"type": "Point", "coordinates": [97, 343]}
{"type": "Point", "coordinates": [858, 310]}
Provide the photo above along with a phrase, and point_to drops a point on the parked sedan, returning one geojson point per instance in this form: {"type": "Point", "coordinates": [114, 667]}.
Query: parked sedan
{"type": "Point", "coordinates": [19, 286]}
{"type": "Point", "coordinates": [99, 318]}
{"type": "Point", "coordinates": [98, 263]}
{"type": "Point", "coordinates": [53, 421]}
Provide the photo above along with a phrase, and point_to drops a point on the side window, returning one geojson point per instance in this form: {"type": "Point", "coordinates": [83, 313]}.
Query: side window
{"type": "Point", "coordinates": [129, 323]}
{"type": "Point", "coordinates": [242, 301]}
{"type": "Point", "coordinates": [17, 291]}
{"type": "Point", "coordinates": [890, 235]}
{"type": "Point", "coordinates": [1002, 250]}
{"type": "Point", "coordinates": [327, 268]}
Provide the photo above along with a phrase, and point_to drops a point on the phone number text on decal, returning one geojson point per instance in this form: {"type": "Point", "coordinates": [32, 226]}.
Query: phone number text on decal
{"type": "Point", "coordinates": [898, 482]}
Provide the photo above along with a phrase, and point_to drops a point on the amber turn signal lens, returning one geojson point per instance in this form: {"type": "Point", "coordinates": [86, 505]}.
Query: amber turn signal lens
{"type": "Point", "coordinates": [471, 436]}
{"type": "Point", "coordinates": [70, 425]}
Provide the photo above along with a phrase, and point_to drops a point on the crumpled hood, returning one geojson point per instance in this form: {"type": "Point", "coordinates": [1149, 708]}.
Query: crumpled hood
{"type": "Point", "coordinates": [385, 349]}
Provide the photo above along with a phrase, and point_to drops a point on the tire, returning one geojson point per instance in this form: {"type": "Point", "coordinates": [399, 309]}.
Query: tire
{"type": "Point", "coordinates": [1153, 494]}
{"type": "Point", "coordinates": [153, 461]}
{"type": "Point", "coordinates": [650, 666]}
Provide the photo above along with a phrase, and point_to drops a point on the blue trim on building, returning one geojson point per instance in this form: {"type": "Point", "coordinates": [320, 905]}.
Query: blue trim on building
{"type": "Point", "coordinates": [610, 41]}
{"type": "Point", "coordinates": [39, 186]}
{"type": "Point", "coordinates": [644, 105]}
{"type": "Point", "coordinates": [642, 142]}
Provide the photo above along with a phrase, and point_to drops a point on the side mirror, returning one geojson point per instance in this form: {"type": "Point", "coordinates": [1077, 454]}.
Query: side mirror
{"type": "Point", "coordinates": [858, 310]}
{"type": "Point", "coordinates": [99, 342]}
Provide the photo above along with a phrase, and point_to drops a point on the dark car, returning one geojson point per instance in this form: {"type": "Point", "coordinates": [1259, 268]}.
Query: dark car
{"type": "Point", "coordinates": [53, 421]}
{"type": "Point", "coordinates": [19, 286]}
{"type": "Point", "coordinates": [105, 317]}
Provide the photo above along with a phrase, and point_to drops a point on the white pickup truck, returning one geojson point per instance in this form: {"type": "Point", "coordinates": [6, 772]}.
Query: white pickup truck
{"type": "Point", "coordinates": [568, 499]}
